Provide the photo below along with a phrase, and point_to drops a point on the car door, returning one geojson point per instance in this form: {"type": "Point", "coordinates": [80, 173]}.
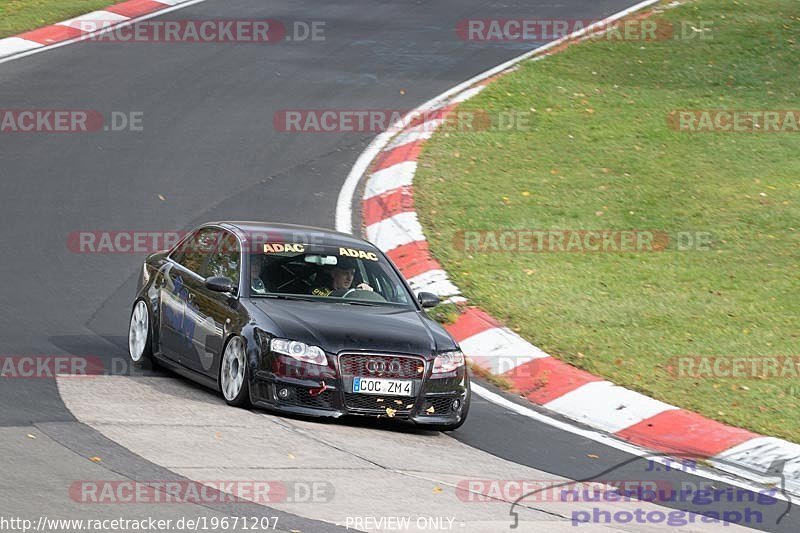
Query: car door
{"type": "Point", "coordinates": [172, 297]}
{"type": "Point", "coordinates": [184, 270]}
{"type": "Point", "coordinates": [212, 312]}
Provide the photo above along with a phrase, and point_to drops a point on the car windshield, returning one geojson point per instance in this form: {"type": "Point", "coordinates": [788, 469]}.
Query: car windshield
{"type": "Point", "coordinates": [358, 276]}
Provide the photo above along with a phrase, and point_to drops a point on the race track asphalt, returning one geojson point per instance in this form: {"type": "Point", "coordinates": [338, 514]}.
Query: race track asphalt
{"type": "Point", "coordinates": [209, 151]}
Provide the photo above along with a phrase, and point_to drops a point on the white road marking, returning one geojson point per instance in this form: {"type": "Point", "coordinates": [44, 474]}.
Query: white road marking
{"type": "Point", "coordinates": [93, 20]}
{"type": "Point", "coordinates": [435, 281]}
{"type": "Point", "coordinates": [761, 454]}
{"type": "Point", "coordinates": [423, 132]}
{"type": "Point", "coordinates": [611, 441]}
{"type": "Point", "coordinates": [606, 406]}
{"type": "Point", "coordinates": [389, 233]}
{"type": "Point", "coordinates": [15, 45]}
{"type": "Point", "coordinates": [500, 350]}
{"type": "Point", "coordinates": [175, 5]}
{"type": "Point", "coordinates": [390, 178]}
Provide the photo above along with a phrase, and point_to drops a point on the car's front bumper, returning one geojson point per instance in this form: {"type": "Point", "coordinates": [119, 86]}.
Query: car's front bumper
{"type": "Point", "coordinates": [440, 400]}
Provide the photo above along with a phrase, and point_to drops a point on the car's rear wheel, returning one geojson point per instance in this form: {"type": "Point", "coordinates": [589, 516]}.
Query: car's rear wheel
{"type": "Point", "coordinates": [140, 345]}
{"type": "Point", "coordinates": [233, 375]}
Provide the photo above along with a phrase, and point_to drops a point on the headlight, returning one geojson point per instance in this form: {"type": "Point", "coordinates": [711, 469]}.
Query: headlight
{"type": "Point", "coordinates": [448, 362]}
{"type": "Point", "coordinates": [299, 350]}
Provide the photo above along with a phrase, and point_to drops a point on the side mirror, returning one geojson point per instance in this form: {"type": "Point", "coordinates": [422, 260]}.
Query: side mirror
{"type": "Point", "coordinates": [427, 299]}
{"type": "Point", "coordinates": [220, 284]}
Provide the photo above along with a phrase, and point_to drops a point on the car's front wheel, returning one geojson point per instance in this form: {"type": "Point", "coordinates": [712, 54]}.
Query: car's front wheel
{"type": "Point", "coordinates": [233, 375]}
{"type": "Point", "coordinates": [140, 344]}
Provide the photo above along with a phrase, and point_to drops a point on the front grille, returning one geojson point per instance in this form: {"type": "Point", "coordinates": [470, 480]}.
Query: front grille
{"type": "Point", "coordinates": [382, 366]}
{"type": "Point", "coordinates": [442, 405]}
{"type": "Point", "coordinates": [301, 397]}
{"type": "Point", "coordinates": [402, 405]}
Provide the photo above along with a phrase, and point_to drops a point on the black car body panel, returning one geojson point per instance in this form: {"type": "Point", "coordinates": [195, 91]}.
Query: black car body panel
{"type": "Point", "coordinates": [191, 325]}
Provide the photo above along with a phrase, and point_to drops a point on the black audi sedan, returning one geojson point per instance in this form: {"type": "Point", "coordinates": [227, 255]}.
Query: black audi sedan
{"type": "Point", "coordinates": [300, 320]}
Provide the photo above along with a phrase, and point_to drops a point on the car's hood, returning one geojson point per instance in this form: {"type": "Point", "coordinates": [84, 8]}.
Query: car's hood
{"type": "Point", "coordinates": [339, 327]}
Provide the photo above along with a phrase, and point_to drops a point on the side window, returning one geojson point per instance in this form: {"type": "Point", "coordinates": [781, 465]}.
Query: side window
{"type": "Point", "coordinates": [225, 259]}
{"type": "Point", "coordinates": [195, 250]}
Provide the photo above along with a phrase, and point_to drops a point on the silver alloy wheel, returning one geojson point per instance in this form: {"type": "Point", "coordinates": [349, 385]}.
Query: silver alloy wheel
{"type": "Point", "coordinates": [232, 371]}
{"type": "Point", "coordinates": [137, 334]}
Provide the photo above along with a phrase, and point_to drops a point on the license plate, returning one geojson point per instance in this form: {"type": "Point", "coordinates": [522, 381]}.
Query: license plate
{"type": "Point", "coordinates": [389, 387]}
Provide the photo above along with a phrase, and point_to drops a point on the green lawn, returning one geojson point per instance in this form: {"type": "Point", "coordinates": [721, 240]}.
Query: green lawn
{"type": "Point", "coordinates": [17, 16]}
{"type": "Point", "coordinates": [600, 155]}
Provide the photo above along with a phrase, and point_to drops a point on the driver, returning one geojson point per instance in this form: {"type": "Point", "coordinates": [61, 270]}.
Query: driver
{"type": "Point", "coordinates": [342, 276]}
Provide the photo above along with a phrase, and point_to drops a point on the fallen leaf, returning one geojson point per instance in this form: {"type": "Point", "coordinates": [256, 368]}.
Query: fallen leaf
{"type": "Point", "coordinates": [399, 402]}
{"type": "Point", "coordinates": [218, 435]}
{"type": "Point", "coordinates": [437, 490]}
{"type": "Point", "coordinates": [161, 197]}
{"type": "Point", "coordinates": [430, 410]}
{"type": "Point", "coordinates": [95, 459]}
{"type": "Point", "coordinates": [31, 436]}
{"type": "Point", "coordinates": [592, 456]}
{"type": "Point", "coordinates": [290, 455]}
{"type": "Point", "coordinates": [409, 406]}
{"type": "Point", "coordinates": [390, 412]}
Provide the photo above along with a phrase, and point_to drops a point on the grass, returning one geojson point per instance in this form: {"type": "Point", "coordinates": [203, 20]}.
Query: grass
{"type": "Point", "coordinates": [599, 155]}
{"type": "Point", "coordinates": [17, 16]}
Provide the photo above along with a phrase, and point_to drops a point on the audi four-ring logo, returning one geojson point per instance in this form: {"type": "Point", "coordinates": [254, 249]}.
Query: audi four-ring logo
{"type": "Point", "coordinates": [376, 366]}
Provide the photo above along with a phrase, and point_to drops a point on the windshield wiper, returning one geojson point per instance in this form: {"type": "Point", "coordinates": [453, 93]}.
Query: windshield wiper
{"type": "Point", "coordinates": [355, 302]}
{"type": "Point", "coordinates": [287, 297]}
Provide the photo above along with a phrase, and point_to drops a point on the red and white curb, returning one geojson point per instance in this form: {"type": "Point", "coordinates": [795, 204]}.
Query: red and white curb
{"type": "Point", "coordinates": [391, 222]}
{"type": "Point", "coordinates": [73, 30]}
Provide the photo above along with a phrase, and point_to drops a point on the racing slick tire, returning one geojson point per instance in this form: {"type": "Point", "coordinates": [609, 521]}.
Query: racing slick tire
{"type": "Point", "coordinates": [234, 377]}
{"type": "Point", "coordinates": [140, 336]}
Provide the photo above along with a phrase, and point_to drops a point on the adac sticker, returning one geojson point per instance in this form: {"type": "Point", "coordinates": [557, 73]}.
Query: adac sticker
{"type": "Point", "coordinates": [358, 254]}
{"type": "Point", "coordinates": [276, 248]}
